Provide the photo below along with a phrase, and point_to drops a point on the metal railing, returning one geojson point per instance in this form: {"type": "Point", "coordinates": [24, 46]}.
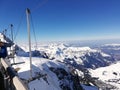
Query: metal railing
{"type": "Point", "coordinates": [11, 80]}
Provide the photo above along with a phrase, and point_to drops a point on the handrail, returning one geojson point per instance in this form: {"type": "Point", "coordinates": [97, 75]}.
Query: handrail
{"type": "Point", "coordinates": [19, 85]}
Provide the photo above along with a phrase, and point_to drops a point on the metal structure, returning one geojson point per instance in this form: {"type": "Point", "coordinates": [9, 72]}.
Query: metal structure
{"type": "Point", "coordinates": [11, 31]}
{"type": "Point", "coordinates": [8, 76]}
{"type": "Point", "coordinates": [29, 39]}
{"type": "Point", "coordinates": [11, 81]}
{"type": "Point", "coordinates": [12, 47]}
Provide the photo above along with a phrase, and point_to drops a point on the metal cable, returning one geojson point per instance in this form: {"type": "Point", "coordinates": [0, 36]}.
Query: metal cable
{"type": "Point", "coordinates": [33, 31]}
{"type": "Point", "coordinates": [18, 28]}
{"type": "Point", "coordinates": [40, 4]}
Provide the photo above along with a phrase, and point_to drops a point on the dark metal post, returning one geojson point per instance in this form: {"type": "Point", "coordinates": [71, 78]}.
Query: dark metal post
{"type": "Point", "coordinates": [5, 32]}
{"type": "Point", "coordinates": [11, 32]}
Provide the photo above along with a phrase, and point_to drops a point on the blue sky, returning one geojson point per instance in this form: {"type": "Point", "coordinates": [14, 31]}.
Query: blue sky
{"type": "Point", "coordinates": [56, 20]}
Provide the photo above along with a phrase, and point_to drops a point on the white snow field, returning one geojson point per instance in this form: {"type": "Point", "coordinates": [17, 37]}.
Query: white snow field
{"type": "Point", "coordinates": [109, 74]}
{"type": "Point", "coordinates": [40, 66]}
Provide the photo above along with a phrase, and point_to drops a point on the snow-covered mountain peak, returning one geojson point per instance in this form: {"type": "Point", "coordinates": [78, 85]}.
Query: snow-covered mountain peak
{"type": "Point", "coordinates": [81, 49]}
{"type": "Point", "coordinates": [80, 55]}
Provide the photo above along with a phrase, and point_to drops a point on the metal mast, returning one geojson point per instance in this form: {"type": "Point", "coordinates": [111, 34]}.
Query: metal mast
{"type": "Point", "coordinates": [11, 25]}
{"type": "Point", "coordinates": [5, 32]}
{"type": "Point", "coordinates": [29, 39]}
{"type": "Point", "coordinates": [11, 32]}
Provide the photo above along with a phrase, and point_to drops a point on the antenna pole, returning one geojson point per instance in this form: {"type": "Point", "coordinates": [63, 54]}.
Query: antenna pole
{"type": "Point", "coordinates": [5, 32]}
{"type": "Point", "coordinates": [29, 39]}
{"type": "Point", "coordinates": [11, 25]}
{"type": "Point", "coordinates": [11, 32]}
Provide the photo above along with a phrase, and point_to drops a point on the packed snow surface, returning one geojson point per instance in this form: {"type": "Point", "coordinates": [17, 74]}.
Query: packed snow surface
{"type": "Point", "coordinates": [109, 74]}
{"type": "Point", "coordinates": [39, 65]}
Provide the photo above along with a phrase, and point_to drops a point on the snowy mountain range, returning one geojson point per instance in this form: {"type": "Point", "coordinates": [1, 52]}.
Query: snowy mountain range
{"type": "Point", "coordinates": [85, 56]}
{"type": "Point", "coordinates": [60, 66]}
{"type": "Point", "coordinates": [112, 49]}
{"type": "Point", "coordinates": [66, 62]}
